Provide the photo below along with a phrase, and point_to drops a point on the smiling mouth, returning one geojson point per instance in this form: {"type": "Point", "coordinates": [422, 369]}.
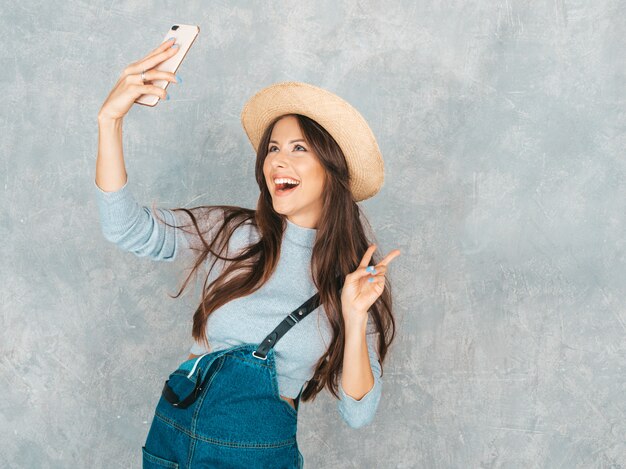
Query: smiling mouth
{"type": "Point", "coordinates": [285, 188]}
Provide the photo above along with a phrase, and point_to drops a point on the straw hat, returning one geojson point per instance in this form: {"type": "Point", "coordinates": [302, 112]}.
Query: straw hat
{"type": "Point", "coordinates": [338, 117]}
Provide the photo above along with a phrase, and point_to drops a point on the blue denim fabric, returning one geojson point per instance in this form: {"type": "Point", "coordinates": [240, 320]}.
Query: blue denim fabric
{"type": "Point", "coordinates": [239, 419]}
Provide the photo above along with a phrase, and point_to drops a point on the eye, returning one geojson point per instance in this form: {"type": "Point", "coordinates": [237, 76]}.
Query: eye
{"type": "Point", "coordinates": [274, 146]}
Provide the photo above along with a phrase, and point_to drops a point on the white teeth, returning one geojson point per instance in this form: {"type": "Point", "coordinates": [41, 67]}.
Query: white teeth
{"type": "Point", "coordinates": [285, 180]}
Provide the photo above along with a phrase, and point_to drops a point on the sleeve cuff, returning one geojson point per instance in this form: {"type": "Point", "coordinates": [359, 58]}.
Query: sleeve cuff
{"type": "Point", "coordinates": [133, 227]}
{"type": "Point", "coordinates": [359, 413]}
{"type": "Point", "coordinates": [368, 397]}
{"type": "Point", "coordinates": [109, 193]}
{"type": "Point", "coordinates": [118, 211]}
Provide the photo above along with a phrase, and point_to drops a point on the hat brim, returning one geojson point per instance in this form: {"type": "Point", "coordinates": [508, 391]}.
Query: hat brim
{"type": "Point", "coordinates": [340, 119]}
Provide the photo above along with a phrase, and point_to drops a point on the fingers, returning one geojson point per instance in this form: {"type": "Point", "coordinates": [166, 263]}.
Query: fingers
{"type": "Point", "coordinates": [149, 89]}
{"type": "Point", "coordinates": [371, 271]}
{"type": "Point", "coordinates": [367, 256]}
{"type": "Point", "coordinates": [159, 57]}
{"type": "Point", "coordinates": [389, 257]}
{"type": "Point", "coordinates": [378, 279]}
{"type": "Point", "coordinates": [163, 46]}
{"type": "Point", "coordinates": [152, 75]}
{"type": "Point", "coordinates": [376, 272]}
{"type": "Point", "coordinates": [154, 59]}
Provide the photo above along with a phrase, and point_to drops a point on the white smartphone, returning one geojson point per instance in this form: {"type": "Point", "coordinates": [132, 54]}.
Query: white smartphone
{"type": "Point", "coordinates": [185, 35]}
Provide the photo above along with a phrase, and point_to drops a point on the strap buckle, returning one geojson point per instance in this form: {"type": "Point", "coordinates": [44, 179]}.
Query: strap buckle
{"type": "Point", "coordinates": [261, 357]}
{"type": "Point", "coordinates": [287, 323]}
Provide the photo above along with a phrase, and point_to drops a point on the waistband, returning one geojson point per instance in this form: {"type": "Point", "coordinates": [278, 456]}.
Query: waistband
{"type": "Point", "coordinates": [246, 350]}
{"type": "Point", "coordinates": [185, 384]}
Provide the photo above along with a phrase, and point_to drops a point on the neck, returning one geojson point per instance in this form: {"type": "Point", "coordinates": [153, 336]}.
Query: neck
{"type": "Point", "coordinates": [300, 235]}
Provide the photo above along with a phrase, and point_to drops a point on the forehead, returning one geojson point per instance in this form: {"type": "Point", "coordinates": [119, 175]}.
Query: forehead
{"type": "Point", "coordinates": [287, 126]}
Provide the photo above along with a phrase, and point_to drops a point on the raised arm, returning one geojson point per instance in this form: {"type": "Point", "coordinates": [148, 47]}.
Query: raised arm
{"type": "Point", "coordinates": [361, 369]}
{"type": "Point", "coordinates": [123, 220]}
{"type": "Point", "coordinates": [110, 170]}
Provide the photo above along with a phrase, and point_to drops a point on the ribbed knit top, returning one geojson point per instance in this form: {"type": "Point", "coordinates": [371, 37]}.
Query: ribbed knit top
{"type": "Point", "coordinates": [133, 227]}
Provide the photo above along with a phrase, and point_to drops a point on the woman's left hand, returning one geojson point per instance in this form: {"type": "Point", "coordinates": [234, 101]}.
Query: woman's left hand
{"type": "Point", "coordinates": [362, 287]}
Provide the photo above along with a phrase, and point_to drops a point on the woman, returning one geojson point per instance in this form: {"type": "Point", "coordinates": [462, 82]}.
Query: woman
{"type": "Point", "coordinates": [298, 296]}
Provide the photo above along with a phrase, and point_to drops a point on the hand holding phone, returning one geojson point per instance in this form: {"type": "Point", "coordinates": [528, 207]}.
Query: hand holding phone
{"type": "Point", "coordinates": [184, 35]}
{"type": "Point", "coordinates": [159, 65]}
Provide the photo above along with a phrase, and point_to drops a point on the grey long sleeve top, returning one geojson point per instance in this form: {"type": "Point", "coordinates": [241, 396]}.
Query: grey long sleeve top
{"type": "Point", "coordinates": [133, 227]}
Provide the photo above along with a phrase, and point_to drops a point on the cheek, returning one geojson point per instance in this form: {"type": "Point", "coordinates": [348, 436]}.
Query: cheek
{"type": "Point", "coordinates": [266, 169]}
{"type": "Point", "coordinates": [313, 167]}
{"type": "Point", "coordinates": [320, 177]}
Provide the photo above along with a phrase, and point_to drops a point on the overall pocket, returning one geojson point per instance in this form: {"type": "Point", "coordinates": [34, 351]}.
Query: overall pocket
{"type": "Point", "coordinates": [151, 461]}
{"type": "Point", "coordinates": [184, 386]}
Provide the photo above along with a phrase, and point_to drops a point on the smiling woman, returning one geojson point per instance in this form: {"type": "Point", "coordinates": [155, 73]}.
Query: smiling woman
{"type": "Point", "coordinates": [292, 307]}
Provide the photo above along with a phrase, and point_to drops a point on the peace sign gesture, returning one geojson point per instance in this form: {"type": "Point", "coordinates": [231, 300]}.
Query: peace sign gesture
{"type": "Point", "coordinates": [363, 286]}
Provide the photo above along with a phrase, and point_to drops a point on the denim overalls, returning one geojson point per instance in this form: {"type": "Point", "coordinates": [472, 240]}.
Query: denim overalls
{"type": "Point", "coordinates": [224, 410]}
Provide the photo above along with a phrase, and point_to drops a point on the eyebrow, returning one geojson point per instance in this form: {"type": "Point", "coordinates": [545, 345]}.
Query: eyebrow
{"type": "Point", "coordinates": [293, 141]}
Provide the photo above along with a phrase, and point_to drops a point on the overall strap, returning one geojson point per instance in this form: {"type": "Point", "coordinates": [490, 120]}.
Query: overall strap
{"type": "Point", "coordinates": [291, 320]}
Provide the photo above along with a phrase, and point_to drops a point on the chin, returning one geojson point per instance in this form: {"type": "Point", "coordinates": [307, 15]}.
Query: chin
{"type": "Point", "coordinates": [278, 210]}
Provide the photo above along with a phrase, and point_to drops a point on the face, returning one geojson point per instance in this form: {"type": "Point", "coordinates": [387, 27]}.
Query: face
{"type": "Point", "coordinates": [290, 156]}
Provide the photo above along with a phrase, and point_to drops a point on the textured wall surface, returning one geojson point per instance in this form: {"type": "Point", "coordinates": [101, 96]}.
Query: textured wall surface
{"type": "Point", "coordinates": [503, 128]}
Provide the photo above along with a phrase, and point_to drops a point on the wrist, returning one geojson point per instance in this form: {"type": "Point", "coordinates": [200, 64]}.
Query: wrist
{"type": "Point", "coordinates": [355, 323]}
{"type": "Point", "coordinates": [109, 122]}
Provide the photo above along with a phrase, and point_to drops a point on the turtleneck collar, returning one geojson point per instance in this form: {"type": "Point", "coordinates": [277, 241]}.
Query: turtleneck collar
{"type": "Point", "coordinates": [300, 235]}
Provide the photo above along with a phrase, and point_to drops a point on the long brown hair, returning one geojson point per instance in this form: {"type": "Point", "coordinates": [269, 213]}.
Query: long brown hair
{"type": "Point", "coordinates": [336, 253]}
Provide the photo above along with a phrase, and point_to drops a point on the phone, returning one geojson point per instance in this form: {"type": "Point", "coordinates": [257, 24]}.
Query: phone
{"type": "Point", "coordinates": [185, 35]}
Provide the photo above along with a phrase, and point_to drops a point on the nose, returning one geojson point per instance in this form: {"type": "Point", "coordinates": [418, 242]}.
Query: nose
{"type": "Point", "coordinates": [278, 158]}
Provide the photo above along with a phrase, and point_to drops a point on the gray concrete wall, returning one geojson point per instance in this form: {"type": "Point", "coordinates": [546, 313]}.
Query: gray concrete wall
{"type": "Point", "coordinates": [503, 130]}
